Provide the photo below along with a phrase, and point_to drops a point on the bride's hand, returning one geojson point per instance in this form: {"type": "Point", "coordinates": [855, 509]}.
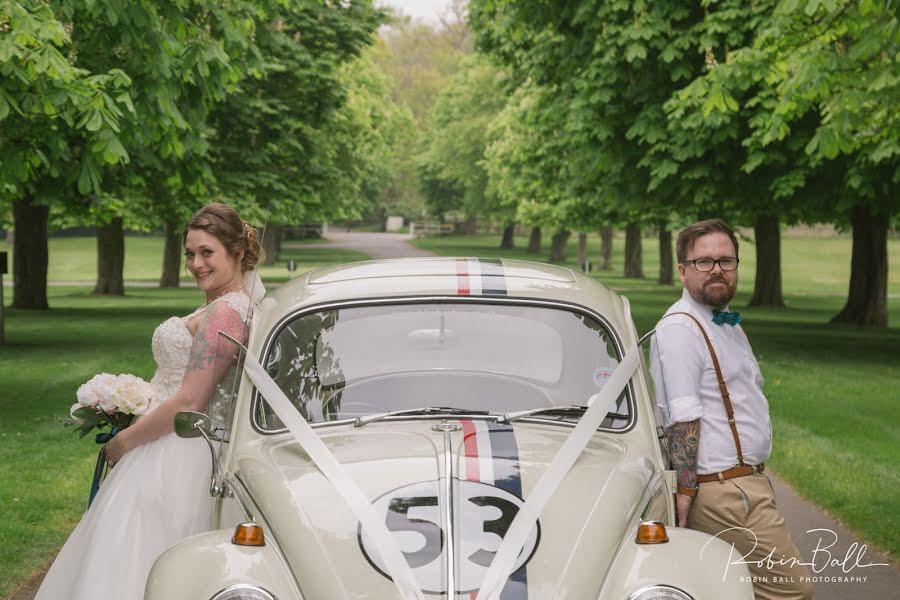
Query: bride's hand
{"type": "Point", "coordinates": [115, 449]}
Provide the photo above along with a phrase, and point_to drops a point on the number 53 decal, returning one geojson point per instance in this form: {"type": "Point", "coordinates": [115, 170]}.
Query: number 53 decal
{"type": "Point", "coordinates": [483, 514]}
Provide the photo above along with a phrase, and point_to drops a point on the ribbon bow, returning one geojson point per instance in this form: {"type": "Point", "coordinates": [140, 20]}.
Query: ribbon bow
{"type": "Point", "coordinates": [720, 317]}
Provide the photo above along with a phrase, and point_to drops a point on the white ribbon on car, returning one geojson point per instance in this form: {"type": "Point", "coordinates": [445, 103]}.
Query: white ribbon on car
{"type": "Point", "coordinates": [603, 403]}
{"type": "Point", "coordinates": [395, 563]}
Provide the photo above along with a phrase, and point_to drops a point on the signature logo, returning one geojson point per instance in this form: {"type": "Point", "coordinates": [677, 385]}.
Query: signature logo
{"type": "Point", "coordinates": [415, 516]}
{"type": "Point", "coordinates": [822, 556]}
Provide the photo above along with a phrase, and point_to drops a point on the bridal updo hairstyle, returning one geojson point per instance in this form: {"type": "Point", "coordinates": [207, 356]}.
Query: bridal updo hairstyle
{"type": "Point", "coordinates": [226, 225]}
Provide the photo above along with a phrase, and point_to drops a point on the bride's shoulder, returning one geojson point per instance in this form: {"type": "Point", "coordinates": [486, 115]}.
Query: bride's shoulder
{"type": "Point", "coordinates": [239, 302]}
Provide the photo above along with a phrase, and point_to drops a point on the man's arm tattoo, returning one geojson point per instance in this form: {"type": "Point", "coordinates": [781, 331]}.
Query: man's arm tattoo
{"type": "Point", "coordinates": [684, 439]}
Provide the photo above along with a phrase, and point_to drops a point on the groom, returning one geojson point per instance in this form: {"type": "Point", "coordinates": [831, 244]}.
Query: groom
{"type": "Point", "coordinates": [709, 391]}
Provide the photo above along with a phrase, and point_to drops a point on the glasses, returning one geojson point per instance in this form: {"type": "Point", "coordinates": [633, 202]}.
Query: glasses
{"type": "Point", "coordinates": [705, 265]}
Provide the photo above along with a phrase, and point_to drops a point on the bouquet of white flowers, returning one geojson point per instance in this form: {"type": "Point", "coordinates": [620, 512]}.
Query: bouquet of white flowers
{"type": "Point", "coordinates": [112, 400]}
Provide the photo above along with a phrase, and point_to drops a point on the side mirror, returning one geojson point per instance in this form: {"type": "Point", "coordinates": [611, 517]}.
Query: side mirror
{"type": "Point", "coordinates": [189, 424]}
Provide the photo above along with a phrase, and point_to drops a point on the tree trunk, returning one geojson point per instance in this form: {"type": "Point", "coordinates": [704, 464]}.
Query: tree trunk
{"type": "Point", "coordinates": [278, 234]}
{"type": "Point", "coordinates": [534, 241]}
{"type": "Point", "coordinates": [767, 289]}
{"type": "Point", "coordinates": [634, 262]}
{"type": "Point", "coordinates": [582, 250]}
{"type": "Point", "coordinates": [508, 242]}
{"type": "Point", "coordinates": [606, 248]}
{"type": "Point", "coordinates": [471, 226]}
{"type": "Point", "coordinates": [271, 242]}
{"type": "Point", "coordinates": [558, 246]}
{"type": "Point", "coordinates": [171, 267]}
{"type": "Point", "coordinates": [30, 254]}
{"type": "Point", "coordinates": [110, 259]}
{"type": "Point", "coordinates": [666, 272]}
{"type": "Point", "coordinates": [867, 297]}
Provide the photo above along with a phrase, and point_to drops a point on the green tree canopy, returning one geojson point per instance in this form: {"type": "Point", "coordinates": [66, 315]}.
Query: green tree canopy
{"type": "Point", "coordinates": [56, 119]}
{"type": "Point", "coordinates": [273, 147]}
{"type": "Point", "coordinates": [779, 109]}
{"type": "Point", "coordinates": [458, 135]}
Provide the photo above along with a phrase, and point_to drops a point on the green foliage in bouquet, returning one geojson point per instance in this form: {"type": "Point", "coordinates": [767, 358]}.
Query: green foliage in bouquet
{"type": "Point", "coordinates": [86, 419]}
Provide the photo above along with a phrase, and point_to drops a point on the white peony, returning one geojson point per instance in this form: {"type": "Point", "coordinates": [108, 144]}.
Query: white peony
{"type": "Point", "coordinates": [97, 392]}
{"type": "Point", "coordinates": [131, 395]}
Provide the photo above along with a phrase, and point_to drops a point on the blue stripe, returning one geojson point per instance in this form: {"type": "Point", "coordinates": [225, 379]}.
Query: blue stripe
{"type": "Point", "coordinates": [493, 277]}
{"type": "Point", "coordinates": [508, 477]}
{"type": "Point", "coordinates": [507, 473]}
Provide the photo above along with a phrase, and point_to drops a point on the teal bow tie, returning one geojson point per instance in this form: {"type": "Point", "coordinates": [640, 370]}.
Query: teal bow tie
{"type": "Point", "coordinates": [720, 317]}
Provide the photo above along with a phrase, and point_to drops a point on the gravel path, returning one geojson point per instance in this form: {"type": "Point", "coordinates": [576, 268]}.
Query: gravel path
{"type": "Point", "coordinates": [376, 245]}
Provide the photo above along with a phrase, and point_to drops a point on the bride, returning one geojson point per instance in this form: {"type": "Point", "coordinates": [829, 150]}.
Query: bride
{"type": "Point", "coordinates": [158, 492]}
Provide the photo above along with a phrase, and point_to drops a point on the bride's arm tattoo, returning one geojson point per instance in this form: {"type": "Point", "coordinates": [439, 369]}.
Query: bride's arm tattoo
{"type": "Point", "coordinates": [208, 345]}
{"type": "Point", "coordinates": [684, 440]}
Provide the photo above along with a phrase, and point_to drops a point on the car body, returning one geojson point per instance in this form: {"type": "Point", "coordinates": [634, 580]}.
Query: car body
{"type": "Point", "coordinates": [478, 340]}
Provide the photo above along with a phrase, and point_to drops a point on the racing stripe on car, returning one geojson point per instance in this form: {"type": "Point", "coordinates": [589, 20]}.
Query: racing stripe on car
{"type": "Point", "coordinates": [493, 277]}
{"type": "Point", "coordinates": [479, 457]}
{"type": "Point", "coordinates": [470, 446]}
{"type": "Point", "coordinates": [462, 276]}
{"type": "Point", "coordinates": [508, 477]}
{"type": "Point", "coordinates": [492, 457]}
{"type": "Point", "coordinates": [475, 283]}
{"type": "Point", "coordinates": [480, 277]}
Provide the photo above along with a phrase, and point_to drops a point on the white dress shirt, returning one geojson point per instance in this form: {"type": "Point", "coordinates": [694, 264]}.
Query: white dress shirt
{"type": "Point", "coordinates": [687, 388]}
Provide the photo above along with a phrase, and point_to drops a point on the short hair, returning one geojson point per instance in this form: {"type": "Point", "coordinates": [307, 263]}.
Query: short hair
{"type": "Point", "coordinates": [692, 233]}
{"type": "Point", "coordinates": [223, 222]}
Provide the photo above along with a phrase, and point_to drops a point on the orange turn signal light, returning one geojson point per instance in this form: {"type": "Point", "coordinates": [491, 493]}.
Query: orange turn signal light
{"type": "Point", "coordinates": [651, 532]}
{"type": "Point", "coordinates": [248, 534]}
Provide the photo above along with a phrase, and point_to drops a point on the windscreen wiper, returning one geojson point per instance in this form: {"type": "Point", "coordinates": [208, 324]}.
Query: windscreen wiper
{"type": "Point", "coordinates": [573, 408]}
{"type": "Point", "coordinates": [428, 410]}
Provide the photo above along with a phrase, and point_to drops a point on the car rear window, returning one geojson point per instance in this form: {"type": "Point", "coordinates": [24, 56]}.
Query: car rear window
{"type": "Point", "coordinates": [348, 362]}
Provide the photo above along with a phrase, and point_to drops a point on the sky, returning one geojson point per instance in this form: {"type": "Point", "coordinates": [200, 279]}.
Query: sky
{"type": "Point", "coordinates": [427, 10]}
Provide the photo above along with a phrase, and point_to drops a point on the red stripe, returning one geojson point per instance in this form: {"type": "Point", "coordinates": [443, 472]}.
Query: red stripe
{"type": "Point", "coordinates": [462, 276]}
{"type": "Point", "coordinates": [470, 442]}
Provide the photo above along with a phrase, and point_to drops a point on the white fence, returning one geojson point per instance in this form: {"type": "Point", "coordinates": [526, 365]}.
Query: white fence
{"type": "Point", "coordinates": [422, 229]}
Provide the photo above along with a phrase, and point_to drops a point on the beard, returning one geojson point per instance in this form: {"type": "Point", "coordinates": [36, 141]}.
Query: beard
{"type": "Point", "coordinates": [717, 297]}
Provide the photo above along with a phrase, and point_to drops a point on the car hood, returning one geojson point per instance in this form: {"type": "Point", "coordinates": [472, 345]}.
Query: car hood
{"type": "Point", "coordinates": [401, 465]}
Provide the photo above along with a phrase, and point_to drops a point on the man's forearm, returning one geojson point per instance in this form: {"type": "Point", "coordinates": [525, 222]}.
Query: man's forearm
{"type": "Point", "coordinates": [684, 440]}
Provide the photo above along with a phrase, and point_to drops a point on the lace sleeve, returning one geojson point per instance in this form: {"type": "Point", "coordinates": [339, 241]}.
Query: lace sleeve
{"type": "Point", "coordinates": [211, 354]}
{"type": "Point", "coordinates": [239, 303]}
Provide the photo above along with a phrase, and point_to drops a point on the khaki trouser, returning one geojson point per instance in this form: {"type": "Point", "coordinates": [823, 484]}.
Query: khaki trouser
{"type": "Point", "coordinates": [748, 504]}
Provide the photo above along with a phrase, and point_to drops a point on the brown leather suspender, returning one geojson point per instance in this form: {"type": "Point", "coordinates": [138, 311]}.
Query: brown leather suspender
{"type": "Point", "coordinates": [726, 399]}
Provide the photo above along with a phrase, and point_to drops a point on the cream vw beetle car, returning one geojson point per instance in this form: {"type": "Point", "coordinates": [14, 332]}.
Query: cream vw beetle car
{"type": "Point", "coordinates": [443, 428]}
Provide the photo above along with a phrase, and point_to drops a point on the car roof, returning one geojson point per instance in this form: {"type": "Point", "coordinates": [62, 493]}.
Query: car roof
{"type": "Point", "coordinates": [473, 278]}
{"type": "Point", "coordinates": [446, 266]}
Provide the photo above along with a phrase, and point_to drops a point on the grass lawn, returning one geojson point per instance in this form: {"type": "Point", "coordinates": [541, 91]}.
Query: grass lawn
{"type": "Point", "coordinates": [834, 391]}
{"type": "Point", "coordinates": [75, 259]}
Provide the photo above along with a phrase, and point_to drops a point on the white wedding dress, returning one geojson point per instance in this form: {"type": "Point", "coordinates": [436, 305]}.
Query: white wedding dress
{"type": "Point", "coordinates": [157, 494]}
